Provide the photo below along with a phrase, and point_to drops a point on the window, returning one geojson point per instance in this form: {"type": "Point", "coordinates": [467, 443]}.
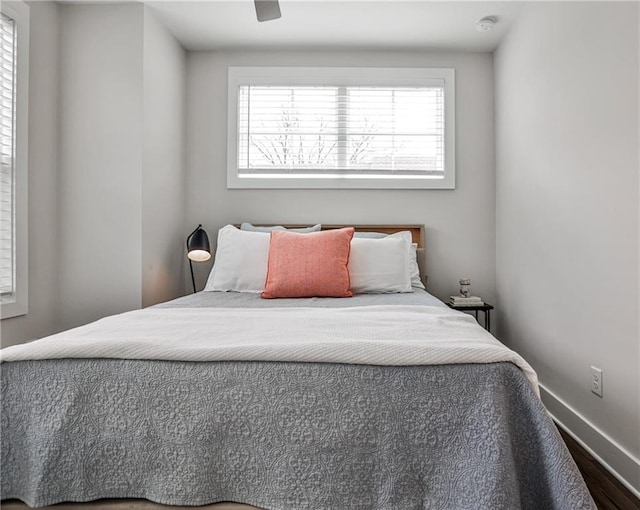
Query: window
{"type": "Point", "coordinates": [341, 128]}
{"type": "Point", "coordinates": [14, 68]}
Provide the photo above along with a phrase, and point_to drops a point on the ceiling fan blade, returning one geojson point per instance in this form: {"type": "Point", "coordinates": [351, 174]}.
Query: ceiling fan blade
{"type": "Point", "coordinates": [267, 9]}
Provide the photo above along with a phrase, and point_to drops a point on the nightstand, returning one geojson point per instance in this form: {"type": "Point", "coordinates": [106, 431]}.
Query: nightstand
{"type": "Point", "coordinates": [486, 308]}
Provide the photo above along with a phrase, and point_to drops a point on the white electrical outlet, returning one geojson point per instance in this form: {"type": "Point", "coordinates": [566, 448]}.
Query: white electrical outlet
{"type": "Point", "coordinates": [596, 381]}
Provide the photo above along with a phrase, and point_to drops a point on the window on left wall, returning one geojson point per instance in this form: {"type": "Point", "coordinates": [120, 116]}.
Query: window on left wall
{"type": "Point", "coordinates": [14, 91]}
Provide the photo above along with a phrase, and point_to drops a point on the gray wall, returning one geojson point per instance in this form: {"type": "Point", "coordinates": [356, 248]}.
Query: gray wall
{"type": "Point", "coordinates": [121, 162]}
{"type": "Point", "coordinates": [459, 223]}
{"type": "Point", "coordinates": [163, 168]}
{"type": "Point", "coordinates": [43, 197]}
{"type": "Point", "coordinates": [107, 172]}
{"type": "Point", "coordinates": [100, 160]}
{"type": "Point", "coordinates": [567, 214]}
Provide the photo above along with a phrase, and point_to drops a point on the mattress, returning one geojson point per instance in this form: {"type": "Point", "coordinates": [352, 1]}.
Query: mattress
{"type": "Point", "coordinates": [282, 434]}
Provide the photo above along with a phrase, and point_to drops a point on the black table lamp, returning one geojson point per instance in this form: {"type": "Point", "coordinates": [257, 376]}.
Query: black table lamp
{"type": "Point", "coordinates": [197, 249]}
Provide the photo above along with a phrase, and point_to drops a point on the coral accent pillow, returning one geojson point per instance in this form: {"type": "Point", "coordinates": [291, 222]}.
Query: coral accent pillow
{"type": "Point", "coordinates": [309, 265]}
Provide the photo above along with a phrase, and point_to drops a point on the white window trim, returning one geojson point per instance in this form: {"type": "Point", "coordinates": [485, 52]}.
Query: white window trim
{"type": "Point", "coordinates": [16, 304]}
{"type": "Point", "coordinates": [336, 76]}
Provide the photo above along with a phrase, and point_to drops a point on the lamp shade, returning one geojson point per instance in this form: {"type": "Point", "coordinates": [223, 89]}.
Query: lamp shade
{"type": "Point", "coordinates": [198, 248]}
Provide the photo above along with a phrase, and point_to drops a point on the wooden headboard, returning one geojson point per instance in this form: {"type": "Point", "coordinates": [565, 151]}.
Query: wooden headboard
{"type": "Point", "coordinates": [417, 231]}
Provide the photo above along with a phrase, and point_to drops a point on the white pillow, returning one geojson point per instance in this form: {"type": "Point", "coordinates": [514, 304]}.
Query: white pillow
{"type": "Point", "coordinates": [414, 270]}
{"type": "Point", "coordinates": [241, 261]}
{"type": "Point", "coordinates": [378, 266]}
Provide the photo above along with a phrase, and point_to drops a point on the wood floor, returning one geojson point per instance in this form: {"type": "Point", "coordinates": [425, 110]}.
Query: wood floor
{"type": "Point", "coordinates": [608, 493]}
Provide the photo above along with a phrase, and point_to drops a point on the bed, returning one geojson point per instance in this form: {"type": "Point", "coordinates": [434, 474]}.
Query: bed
{"type": "Point", "coordinates": [313, 403]}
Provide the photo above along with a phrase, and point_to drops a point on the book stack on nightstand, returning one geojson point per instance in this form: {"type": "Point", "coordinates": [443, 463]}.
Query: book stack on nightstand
{"type": "Point", "coordinates": [472, 304]}
{"type": "Point", "coordinates": [465, 301]}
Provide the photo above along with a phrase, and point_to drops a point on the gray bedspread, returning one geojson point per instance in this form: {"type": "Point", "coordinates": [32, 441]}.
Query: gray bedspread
{"type": "Point", "coordinates": [281, 435]}
{"type": "Point", "coordinates": [248, 300]}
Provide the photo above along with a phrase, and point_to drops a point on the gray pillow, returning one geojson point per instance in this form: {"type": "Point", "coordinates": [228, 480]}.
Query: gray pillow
{"type": "Point", "coordinates": [252, 228]}
{"type": "Point", "coordinates": [370, 235]}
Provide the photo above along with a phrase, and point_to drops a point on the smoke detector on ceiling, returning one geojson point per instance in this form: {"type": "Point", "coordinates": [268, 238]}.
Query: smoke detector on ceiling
{"type": "Point", "coordinates": [485, 24]}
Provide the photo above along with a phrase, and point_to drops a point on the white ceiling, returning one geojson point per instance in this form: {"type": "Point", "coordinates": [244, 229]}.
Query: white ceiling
{"type": "Point", "coordinates": [305, 24]}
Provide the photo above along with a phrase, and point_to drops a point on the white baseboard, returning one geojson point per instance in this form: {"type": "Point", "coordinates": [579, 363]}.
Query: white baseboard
{"type": "Point", "coordinates": [613, 457]}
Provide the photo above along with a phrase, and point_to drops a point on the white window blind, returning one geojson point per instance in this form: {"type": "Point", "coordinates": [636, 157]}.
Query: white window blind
{"type": "Point", "coordinates": [14, 115]}
{"type": "Point", "coordinates": [357, 131]}
{"type": "Point", "coordinates": [341, 127]}
{"type": "Point", "coordinates": [7, 154]}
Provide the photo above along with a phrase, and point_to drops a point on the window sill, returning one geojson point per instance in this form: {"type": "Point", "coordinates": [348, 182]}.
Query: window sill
{"type": "Point", "coordinates": [236, 182]}
{"type": "Point", "coordinates": [12, 308]}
